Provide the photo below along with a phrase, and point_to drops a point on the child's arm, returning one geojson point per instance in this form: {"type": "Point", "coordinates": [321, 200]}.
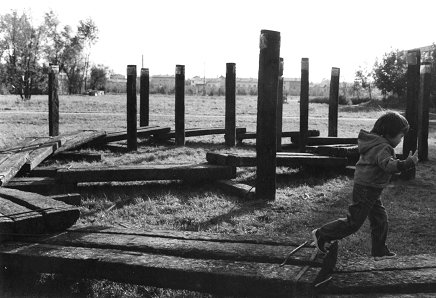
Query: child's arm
{"type": "Point", "coordinates": [389, 164]}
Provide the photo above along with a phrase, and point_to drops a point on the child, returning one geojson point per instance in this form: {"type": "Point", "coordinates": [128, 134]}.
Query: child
{"type": "Point", "coordinates": [374, 169]}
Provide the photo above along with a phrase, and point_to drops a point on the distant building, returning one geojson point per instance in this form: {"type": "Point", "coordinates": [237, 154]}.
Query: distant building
{"type": "Point", "coordinates": [117, 77]}
{"type": "Point", "coordinates": [291, 86]}
{"type": "Point", "coordinates": [163, 81]}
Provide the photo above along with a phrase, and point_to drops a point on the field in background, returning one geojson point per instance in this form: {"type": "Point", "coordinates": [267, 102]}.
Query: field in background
{"type": "Point", "coordinates": [305, 199]}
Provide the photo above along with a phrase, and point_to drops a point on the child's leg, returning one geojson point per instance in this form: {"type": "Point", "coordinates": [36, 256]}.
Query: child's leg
{"type": "Point", "coordinates": [378, 219]}
{"type": "Point", "coordinates": [363, 200]}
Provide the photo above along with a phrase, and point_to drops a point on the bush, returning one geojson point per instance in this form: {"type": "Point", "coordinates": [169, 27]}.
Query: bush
{"type": "Point", "coordinates": [359, 100]}
{"type": "Point", "coordinates": [342, 100]}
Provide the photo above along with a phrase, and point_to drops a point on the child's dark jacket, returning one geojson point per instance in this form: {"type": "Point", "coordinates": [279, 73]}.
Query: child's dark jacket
{"type": "Point", "coordinates": [377, 161]}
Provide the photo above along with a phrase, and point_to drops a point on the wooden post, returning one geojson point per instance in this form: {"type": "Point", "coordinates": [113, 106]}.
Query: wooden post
{"type": "Point", "coordinates": [413, 68]}
{"type": "Point", "coordinates": [132, 142]}
{"type": "Point", "coordinates": [53, 101]}
{"type": "Point", "coordinates": [269, 63]}
{"type": "Point", "coordinates": [280, 107]}
{"type": "Point", "coordinates": [180, 106]}
{"type": "Point", "coordinates": [334, 102]}
{"type": "Point", "coordinates": [144, 106]}
{"type": "Point", "coordinates": [423, 111]}
{"type": "Point", "coordinates": [304, 104]}
{"type": "Point", "coordinates": [230, 121]}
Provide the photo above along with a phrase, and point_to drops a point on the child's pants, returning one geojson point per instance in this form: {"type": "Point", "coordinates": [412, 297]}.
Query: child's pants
{"type": "Point", "coordinates": [366, 203]}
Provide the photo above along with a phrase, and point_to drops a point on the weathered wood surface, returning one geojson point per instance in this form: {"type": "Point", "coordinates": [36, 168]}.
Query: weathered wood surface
{"type": "Point", "coordinates": [314, 141]}
{"type": "Point", "coordinates": [350, 151]}
{"type": "Point", "coordinates": [38, 155]}
{"type": "Point", "coordinates": [215, 276]}
{"type": "Point", "coordinates": [142, 132]}
{"type": "Point", "coordinates": [11, 165]}
{"type": "Point", "coordinates": [81, 138]}
{"type": "Point", "coordinates": [147, 172]}
{"type": "Point", "coordinates": [28, 183]}
{"type": "Point", "coordinates": [304, 105]}
{"type": "Point", "coordinates": [230, 105]}
{"type": "Point", "coordinates": [79, 156]}
{"type": "Point", "coordinates": [285, 134]}
{"type": "Point", "coordinates": [57, 215]}
{"type": "Point", "coordinates": [69, 198]}
{"type": "Point", "coordinates": [6, 227]}
{"type": "Point", "coordinates": [24, 220]}
{"type": "Point", "coordinates": [238, 189]}
{"type": "Point", "coordinates": [197, 132]}
{"type": "Point", "coordinates": [282, 160]}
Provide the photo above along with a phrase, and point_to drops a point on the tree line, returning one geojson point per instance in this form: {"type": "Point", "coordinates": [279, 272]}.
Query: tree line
{"type": "Point", "coordinates": [28, 49]}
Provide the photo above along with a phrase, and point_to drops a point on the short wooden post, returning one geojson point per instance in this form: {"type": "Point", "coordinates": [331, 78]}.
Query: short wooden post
{"type": "Point", "coordinates": [53, 101]}
{"type": "Point", "coordinates": [269, 63]}
{"type": "Point", "coordinates": [413, 69]}
{"type": "Point", "coordinates": [132, 142]}
{"type": "Point", "coordinates": [230, 121]}
{"type": "Point", "coordinates": [180, 106]}
{"type": "Point", "coordinates": [144, 99]}
{"type": "Point", "coordinates": [304, 104]}
{"type": "Point", "coordinates": [280, 107]}
{"type": "Point", "coordinates": [423, 111]}
{"type": "Point", "coordinates": [334, 102]}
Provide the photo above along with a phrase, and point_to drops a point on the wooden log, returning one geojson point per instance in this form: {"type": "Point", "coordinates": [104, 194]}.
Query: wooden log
{"type": "Point", "coordinates": [24, 220]}
{"type": "Point", "coordinates": [279, 116]}
{"type": "Point", "coordinates": [197, 132]}
{"type": "Point", "coordinates": [53, 101]}
{"type": "Point", "coordinates": [230, 116]}
{"type": "Point", "coordinates": [144, 98]}
{"type": "Point", "coordinates": [79, 139]}
{"type": "Point", "coordinates": [69, 198]}
{"type": "Point", "coordinates": [285, 134]}
{"type": "Point", "coordinates": [180, 105]}
{"type": "Point", "coordinates": [334, 102]}
{"type": "Point", "coordinates": [423, 111]}
{"type": "Point", "coordinates": [147, 173]}
{"type": "Point", "coordinates": [317, 141]}
{"type": "Point", "coordinates": [220, 277]}
{"type": "Point", "coordinates": [412, 95]}
{"type": "Point", "coordinates": [131, 108]}
{"type": "Point", "coordinates": [141, 132]}
{"type": "Point", "coordinates": [10, 167]}
{"type": "Point", "coordinates": [304, 104]}
{"type": "Point", "coordinates": [78, 156]}
{"type": "Point", "coordinates": [241, 190]}
{"type": "Point", "coordinates": [266, 114]}
{"type": "Point", "coordinates": [58, 216]}
{"type": "Point", "coordinates": [37, 156]}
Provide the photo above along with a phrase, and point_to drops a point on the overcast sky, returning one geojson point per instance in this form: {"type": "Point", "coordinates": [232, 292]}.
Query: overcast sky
{"type": "Point", "coordinates": [204, 35]}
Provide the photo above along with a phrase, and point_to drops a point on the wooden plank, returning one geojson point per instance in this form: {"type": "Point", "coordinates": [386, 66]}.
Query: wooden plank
{"type": "Point", "coordinates": [10, 167]}
{"type": "Point", "coordinates": [147, 172]}
{"type": "Point", "coordinates": [313, 141]}
{"type": "Point", "coordinates": [142, 132]}
{"type": "Point", "coordinates": [6, 227]}
{"type": "Point", "coordinates": [304, 105]}
{"type": "Point", "coordinates": [24, 220]}
{"type": "Point", "coordinates": [221, 277]}
{"type": "Point", "coordinates": [333, 102]}
{"type": "Point", "coordinates": [69, 198]}
{"type": "Point", "coordinates": [238, 189]}
{"type": "Point", "coordinates": [79, 156]}
{"type": "Point", "coordinates": [144, 97]}
{"type": "Point", "coordinates": [197, 132]}
{"type": "Point", "coordinates": [28, 183]}
{"type": "Point", "coordinates": [80, 139]}
{"type": "Point", "coordinates": [57, 215]}
{"type": "Point", "coordinates": [179, 121]}
{"type": "Point", "coordinates": [43, 172]}
{"type": "Point", "coordinates": [37, 156]}
{"type": "Point", "coordinates": [230, 105]}
{"type": "Point", "coordinates": [285, 134]}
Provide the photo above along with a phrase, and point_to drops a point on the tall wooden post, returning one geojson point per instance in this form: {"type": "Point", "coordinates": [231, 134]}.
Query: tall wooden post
{"type": "Point", "coordinates": [144, 99]}
{"type": "Point", "coordinates": [132, 142]}
{"type": "Point", "coordinates": [423, 111]}
{"type": "Point", "coordinates": [53, 101]}
{"type": "Point", "coordinates": [413, 69]}
{"type": "Point", "coordinates": [230, 121]}
{"type": "Point", "coordinates": [180, 106]}
{"type": "Point", "coordinates": [304, 104]}
{"type": "Point", "coordinates": [266, 114]}
{"type": "Point", "coordinates": [280, 107]}
{"type": "Point", "coordinates": [334, 102]}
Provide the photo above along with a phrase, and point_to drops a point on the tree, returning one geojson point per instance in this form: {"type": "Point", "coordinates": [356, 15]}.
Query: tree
{"type": "Point", "coordinates": [363, 78]}
{"type": "Point", "coordinates": [98, 77]}
{"type": "Point", "coordinates": [20, 48]}
{"type": "Point", "coordinates": [390, 74]}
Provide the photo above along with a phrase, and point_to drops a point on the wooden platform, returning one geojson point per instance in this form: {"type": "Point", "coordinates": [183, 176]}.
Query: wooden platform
{"type": "Point", "coordinates": [283, 160]}
{"type": "Point", "coordinates": [285, 134]}
{"type": "Point", "coordinates": [218, 264]}
{"type": "Point", "coordinates": [196, 132]}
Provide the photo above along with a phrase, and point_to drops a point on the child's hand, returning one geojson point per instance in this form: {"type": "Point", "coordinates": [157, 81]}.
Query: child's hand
{"type": "Point", "coordinates": [413, 157]}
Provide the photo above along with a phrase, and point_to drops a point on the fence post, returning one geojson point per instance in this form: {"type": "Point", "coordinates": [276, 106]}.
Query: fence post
{"type": "Point", "coordinates": [280, 107]}
{"type": "Point", "coordinates": [53, 101]}
{"type": "Point", "coordinates": [413, 68]}
{"type": "Point", "coordinates": [266, 114]}
{"type": "Point", "coordinates": [144, 99]}
{"type": "Point", "coordinates": [180, 106]}
{"type": "Point", "coordinates": [230, 121]}
{"type": "Point", "coordinates": [423, 111]}
{"type": "Point", "coordinates": [304, 104]}
{"type": "Point", "coordinates": [132, 142]}
{"type": "Point", "coordinates": [334, 102]}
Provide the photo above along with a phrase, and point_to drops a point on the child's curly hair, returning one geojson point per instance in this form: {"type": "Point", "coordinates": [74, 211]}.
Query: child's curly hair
{"type": "Point", "coordinates": [390, 124]}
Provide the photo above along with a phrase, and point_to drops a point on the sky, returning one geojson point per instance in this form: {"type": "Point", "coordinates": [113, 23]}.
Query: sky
{"type": "Point", "coordinates": [204, 35]}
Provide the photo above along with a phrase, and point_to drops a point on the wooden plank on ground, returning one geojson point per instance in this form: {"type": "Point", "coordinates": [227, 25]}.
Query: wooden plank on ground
{"type": "Point", "coordinates": [81, 138]}
{"type": "Point", "coordinates": [38, 155]}
{"type": "Point", "coordinates": [313, 141]}
{"type": "Point", "coordinates": [220, 277]}
{"type": "Point", "coordinates": [58, 216]}
{"type": "Point", "coordinates": [196, 132]}
{"type": "Point", "coordinates": [79, 156]}
{"type": "Point", "coordinates": [291, 134]}
{"type": "Point", "coordinates": [238, 189]}
{"type": "Point", "coordinates": [143, 132]}
{"type": "Point", "coordinates": [29, 183]}
{"type": "Point", "coordinates": [69, 198]}
{"type": "Point", "coordinates": [6, 227]}
{"type": "Point", "coordinates": [147, 172]}
{"type": "Point", "coordinates": [341, 150]}
{"type": "Point", "coordinates": [10, 167]}
{"type": "Point", "coordinates": [25, 220]}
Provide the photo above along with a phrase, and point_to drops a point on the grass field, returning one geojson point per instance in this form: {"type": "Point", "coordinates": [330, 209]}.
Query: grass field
{"type": "Point", "coordinates": [304, 199]}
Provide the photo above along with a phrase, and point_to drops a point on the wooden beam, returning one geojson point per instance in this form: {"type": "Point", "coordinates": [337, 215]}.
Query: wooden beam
{"type": "Point", "coordinates": [144, 98]}
{"type": "Point", "coordinates": [241, 190]}
{"type": "Point", "coordinates": [24, 220]}
{"type": "Point", "coordinates": [53, 101]}
{"type": "Point", "coordinates": [142, 132]}
{"type": "Point", "coordinates": [423, 111]}
{"type": "Point", "coordinates": [80, 138]}
{"type": "Point", "coordinates": [315, 141]}
{"type": "Point", "coordinates": [180, 105]}
{"type": "Point", "coordinates": [10, 167]}
{"type": "Point", "coordinates": [196, 132]}
{"type": "Point", "coordinates": [285, 134]}
{"type": "Point", "coordinates": [230, 112]}
{"type": "Point", "coordinates": [79, 156]}
{"type": "Point", "coordinates": [279, 117]}
{"type": "Point", "coordinates": [334, 102]}
{"type": "Point", "coordinates": [304, 104]}
{"type": "Point", "coordinates": [69, 198]}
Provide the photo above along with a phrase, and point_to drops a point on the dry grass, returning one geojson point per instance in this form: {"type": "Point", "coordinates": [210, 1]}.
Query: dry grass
{"type": "Point", "coordinates": [304, 199]}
